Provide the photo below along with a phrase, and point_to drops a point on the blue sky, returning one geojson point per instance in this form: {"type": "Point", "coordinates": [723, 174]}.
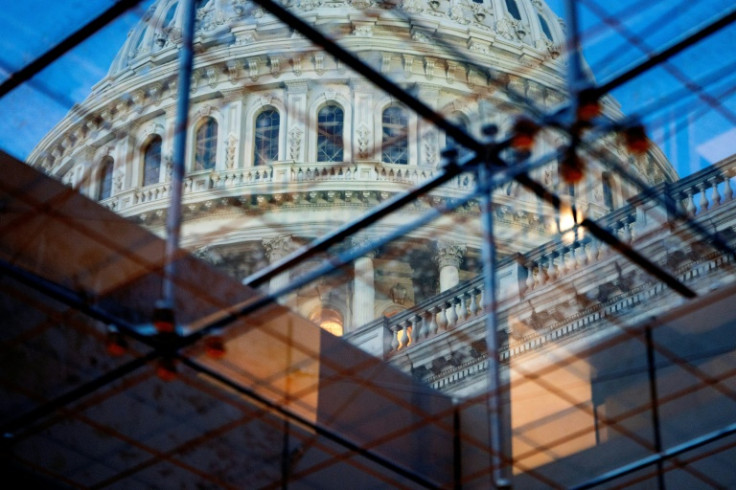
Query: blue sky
{"type": "Point", "coordinates": [692, 130]}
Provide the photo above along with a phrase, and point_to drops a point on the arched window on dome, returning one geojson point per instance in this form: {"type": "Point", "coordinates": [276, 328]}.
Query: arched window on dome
{"type": "Point", "coordinates": [329, 134]}
{"type": "Point", "coordinates": [395, 142]}
{"type": "Point", "coordinates": [152, 161]}
{"type": "Point", "coordinates": [169, 18]}
{"type": "Point", "coordinates": [107, 166]}
{"type": "Point", "coordinates": [513, 9]}
{"type": "Point", "coordinates": [267, 137]}
{"type": "Point", "coordinates": [460, 120]}
{"type": "Point", "coordinates": [205, 154]}
{"type": "Point", "coordinates": [545, 27]}
{"type": "Point", "coordinates": [139, 42]}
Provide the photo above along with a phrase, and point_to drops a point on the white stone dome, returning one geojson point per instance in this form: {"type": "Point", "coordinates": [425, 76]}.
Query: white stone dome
{"type": "Point", "coordinates": [526, 23]}
{"type": "Point", "coordinates": [286, 143]}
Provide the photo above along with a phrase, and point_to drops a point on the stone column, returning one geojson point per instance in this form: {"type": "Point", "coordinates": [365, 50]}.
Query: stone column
{"type": "Point", "coordinates": [296, 129]}
{"type": "Point", "coordinates": [231, 157]}
{"type": "Point", "coordinates": [448, 259]}
{"type": "Point", "coordinates": [276, 249]}
{"type": "Point", "coordinates": [364, 293]}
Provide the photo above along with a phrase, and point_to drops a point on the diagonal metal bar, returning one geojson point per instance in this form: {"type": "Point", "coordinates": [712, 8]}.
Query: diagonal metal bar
{"type": "Point", "coordinates": [690, 445]}
{"type": "Point", "coordinates": [672, 69]}
{"type": "Point", "coordinates": [69, 297]}
{"type": "Point", "coordinates": [370, 74]}
{"type": "Point", "coordinates": [645, 264]}
{"type": "Point", "coordinates": [664, 199]}
{"type": "Point", "coordinates": [384, 209]}
{"type": "Point", "coordinates": [73, 40]}
{"type": "Point", "coordinates": [222, 319]}
{"type": "Point", "coordinates": [9, 430]}
{"type": "Point", "coordinates": [667, 53]}
{"type": "Point", "coordinates": [425, 111]}
{"type": "Point", "coordinates": [317, 428]}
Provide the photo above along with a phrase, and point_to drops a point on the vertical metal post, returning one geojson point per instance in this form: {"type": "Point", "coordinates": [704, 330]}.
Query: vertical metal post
{"type": "Point", "coordinates": [574, 64]}
{"type": "Point", "coordinates": [457, 455]}
{"type": "Point", "coordinates": [173, 221]}
{"type": "Point", "coordinates": [285, 457]}
{"type": "Point", "coordinates": [654, 397]}
{"type": "Point", "coordinates": [499, 460]}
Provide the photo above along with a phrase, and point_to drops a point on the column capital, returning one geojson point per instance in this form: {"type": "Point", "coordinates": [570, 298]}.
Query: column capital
{"type": "Point", "coordinates": [279, 247]}
{"type": "Point", "coordinates": [361, 241]}
{"type": "Point", "coordinates": [449, 254]}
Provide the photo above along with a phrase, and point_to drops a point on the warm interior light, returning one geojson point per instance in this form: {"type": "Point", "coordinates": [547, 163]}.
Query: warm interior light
{"type": "Point", "coordinates": [330, 320]}
{"type": "Point", "coordinates": [569, 217]}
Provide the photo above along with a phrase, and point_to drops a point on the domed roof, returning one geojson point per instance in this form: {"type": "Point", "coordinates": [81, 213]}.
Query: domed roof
{"type": "Point", "coordinates": [524, 22]}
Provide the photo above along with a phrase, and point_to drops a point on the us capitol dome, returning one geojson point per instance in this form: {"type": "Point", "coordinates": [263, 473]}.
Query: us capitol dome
{"type": "Point", "coordinates": [286, 143]}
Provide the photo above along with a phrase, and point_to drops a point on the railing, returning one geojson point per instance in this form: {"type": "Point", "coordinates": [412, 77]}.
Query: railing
{"type": "Point", "coordinates": [548, 264]}
{"type": "Point", "coordinates": [283, 174]}
{"type": "Point", "coordinates": [441, 313]}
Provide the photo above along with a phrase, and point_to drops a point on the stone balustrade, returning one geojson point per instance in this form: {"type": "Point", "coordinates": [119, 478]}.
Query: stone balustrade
{"type": "Point", "coordinates": [705, 190]}
{"type": "Point", "coordinates": [289, 174]}
{"type": "Point", "coordinates": [546, 267]}
{"type": "Point", "coordinates": [441, 313]}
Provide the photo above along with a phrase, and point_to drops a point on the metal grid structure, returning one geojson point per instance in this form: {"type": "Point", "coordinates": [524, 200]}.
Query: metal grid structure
{"type": "Point", "coordinates": [320, 411]}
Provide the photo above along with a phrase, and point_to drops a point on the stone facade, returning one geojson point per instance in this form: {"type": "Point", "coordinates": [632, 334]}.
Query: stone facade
{"type": "Point", "coordinates": [266, 179]}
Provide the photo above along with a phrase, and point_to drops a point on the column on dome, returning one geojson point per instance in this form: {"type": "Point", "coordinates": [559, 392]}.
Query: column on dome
{"type": "Point", "coordinates": [233, 112]}
{"type": "Point", "coordinates": [448, 258]}
{"type": "Point", "coordinates": [86, 180]}
{"type": "Point", "coordinates": [276, 249]}
{"type": "Point", "coordinates": [126, 159]}
{"type": "Point", "coordinates": [425, 149]}
{"type": "Point", "coordinates": [296, 130]}
{"type": "Point", "coordinates": [364, 291]}
{"type": "Point", "coordinates": [167, 144]}
{"type": "Point", "coordinates": [363, 112]}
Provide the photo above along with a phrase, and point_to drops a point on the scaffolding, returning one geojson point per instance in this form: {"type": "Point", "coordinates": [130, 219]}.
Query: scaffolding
{"type": "Point", "coordinates": [129, 360]}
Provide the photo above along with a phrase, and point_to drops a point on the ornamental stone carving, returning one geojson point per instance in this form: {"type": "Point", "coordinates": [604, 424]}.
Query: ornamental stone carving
{"type": "Point", "coordinates": [295, 143]}
{"type": "Point", "coordinates": [364, 146]}
{"type": "Point", "coordinates": [279, 247]}
{"type": "Point", "coordinates": [412, 6]}
{"type": "Point", "coordinates": [430, 147]}
{"type": "Point", "coordinates": [232, 148]}
{"type": "Point", "coordinates": [457, 13]}
{"type": "Point", "coordinates": [361, 4]}
{"type": "Point", "coordinates": [450, 254]}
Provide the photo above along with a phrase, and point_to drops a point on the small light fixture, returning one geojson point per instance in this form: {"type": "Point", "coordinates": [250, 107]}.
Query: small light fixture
{"type": "Point", "coordinates": [163, 318]}
{"type": "Point", "coordinates": [522, 134]}
{"type": "Point", "coordinates": [636, 139]}
{"type": "Point", "coordinates": [116, 345]}
{"type": "Point", "coordinates": [572, 168]}
{"type": "Point", "coordinates": [166, 370]}
{"type": "Point", "coordinates": [589, 105]}
{"type": "Point", "coordinates": [214, 347]}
